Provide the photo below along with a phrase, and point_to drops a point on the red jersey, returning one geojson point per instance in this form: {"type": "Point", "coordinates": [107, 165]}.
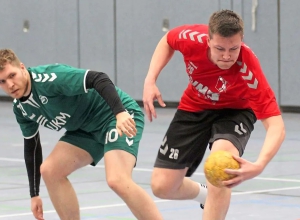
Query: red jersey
{"type": "Point", "coordinates": [242, 86]}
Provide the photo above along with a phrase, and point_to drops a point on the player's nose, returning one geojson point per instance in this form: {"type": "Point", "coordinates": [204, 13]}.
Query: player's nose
{"type": "Point", "coordinates": [226, 56]}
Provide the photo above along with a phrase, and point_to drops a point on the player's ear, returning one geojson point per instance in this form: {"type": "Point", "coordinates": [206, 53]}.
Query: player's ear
{"type": "Point", "coordinates": [22, 66]}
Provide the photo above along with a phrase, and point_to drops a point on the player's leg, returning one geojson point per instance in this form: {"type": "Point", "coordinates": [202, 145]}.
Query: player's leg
{"type": "Point", "coordinates": [230, 133]}
{"type": "Point", "coordinates": [172, 184]}
{"type": "Point", "coordinates": [62, 161]}
{"type": "Point", "coordinates": [120, 158]}
{"type": "Point", "coordinates": [180, 153]}
{"type": "Point", "coordinates": [218, 199]}
{"type": "Point", "coordinates": [118, 166]}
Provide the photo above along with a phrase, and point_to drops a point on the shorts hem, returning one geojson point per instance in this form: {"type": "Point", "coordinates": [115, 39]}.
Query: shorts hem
{"type": "Point", "coordinates": [165, 164]}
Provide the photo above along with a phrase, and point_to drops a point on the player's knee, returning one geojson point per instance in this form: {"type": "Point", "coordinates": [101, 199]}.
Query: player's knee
{"type": "Point", "coordinates": [218, 191]}
{"type": "Point", "coordinates": [118, 183]}
{"type": "Point", "coordinates": [49, 172]}
{"type": "Point", "coordinates": [46, 170]}
{"type": "Point", "coordinates": [160, 189]}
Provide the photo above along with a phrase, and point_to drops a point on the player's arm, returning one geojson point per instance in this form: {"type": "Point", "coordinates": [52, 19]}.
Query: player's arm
{"type": "Point", "coordinates": [107, 90]}
{"type": "Point", "coordinates": [274, 137]}
{"type": "Point", "coordinates": [263, 103]}
{"type": "Point", "coordinates": [275, 134]}
{"type": "Point", "coordinates": [161, 56]}
{"type": "Point", "coordinates": [105, 87]}
{"type": "Point", "coordinates": [33, 159]}
{"type": "Point", "coordinates": [265, 106]}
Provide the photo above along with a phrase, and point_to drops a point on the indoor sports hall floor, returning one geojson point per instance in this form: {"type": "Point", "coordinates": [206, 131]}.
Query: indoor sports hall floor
{"type": "Point", "coordinates": [275, 194]}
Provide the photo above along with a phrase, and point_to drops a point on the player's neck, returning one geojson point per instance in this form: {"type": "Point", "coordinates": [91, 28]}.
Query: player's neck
{"type": "Point", "coordinates": [28, 84]}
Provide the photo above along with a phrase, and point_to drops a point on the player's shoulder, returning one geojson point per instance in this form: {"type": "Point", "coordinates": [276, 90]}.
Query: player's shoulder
{"type": "Point", "coordinates": [49, 68]}
{"type": "Point", "coordinates": [247, 52]}
{"type": "Point", "coordinates": [53, 72]}
{"type": "Point", "coordinates": [188, 38]}
{"type": "Point", "coordinates": [193, 27]}
{"type": "Point", "coordinates": [190, 32]}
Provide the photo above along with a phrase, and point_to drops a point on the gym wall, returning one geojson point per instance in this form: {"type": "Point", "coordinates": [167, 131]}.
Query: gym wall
{"type": "Point", "coordinates": [119, 37]}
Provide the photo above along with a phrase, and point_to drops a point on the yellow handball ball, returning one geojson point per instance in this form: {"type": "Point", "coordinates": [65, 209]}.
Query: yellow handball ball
{"type": "Point", "coordinates": [215, 165]}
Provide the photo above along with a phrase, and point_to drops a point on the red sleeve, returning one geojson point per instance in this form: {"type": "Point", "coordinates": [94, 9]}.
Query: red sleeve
{"type": "Point", "coordinates": [173, 38]}
{"type": "Point", "coordinates": [187, 38]}
{"type": "Point", "coordinates": [261, 96]}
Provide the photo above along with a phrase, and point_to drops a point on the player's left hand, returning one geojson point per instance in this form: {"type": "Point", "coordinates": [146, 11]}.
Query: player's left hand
{"type": "Point", "coordinates": [125, 124]}
{"type": "Point", "coordinates": [248, 170]}
{"type": "Point", "coordinates": [37, 207]}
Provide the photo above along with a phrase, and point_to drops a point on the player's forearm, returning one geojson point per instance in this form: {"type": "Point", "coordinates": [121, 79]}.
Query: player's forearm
{"type": "Point", "coordinates": [274, 138]}
{"type": "Point", "coordinates": [33, 160]}
{"type": "Point", "coordinates": [161, 56]}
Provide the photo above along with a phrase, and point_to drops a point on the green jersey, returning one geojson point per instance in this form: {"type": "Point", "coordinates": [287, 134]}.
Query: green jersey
{"type": "Point", "coordinates": [59, 99]}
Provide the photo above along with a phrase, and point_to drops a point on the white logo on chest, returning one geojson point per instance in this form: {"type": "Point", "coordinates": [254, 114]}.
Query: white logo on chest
{"type": "Point", "coordinates": [204, 90]}
{"type": "Point", "coordinates": [43, 99]}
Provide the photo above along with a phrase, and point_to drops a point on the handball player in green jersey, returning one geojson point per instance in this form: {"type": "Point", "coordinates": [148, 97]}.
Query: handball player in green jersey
{"type": "Point", "coordinates": [100, 121]}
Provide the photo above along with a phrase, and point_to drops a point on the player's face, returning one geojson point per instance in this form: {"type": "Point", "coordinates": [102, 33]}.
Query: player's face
{"type": "Point", "coordinates": [15, 81]}
{"type": "Point", "coordinates": [224, 51]}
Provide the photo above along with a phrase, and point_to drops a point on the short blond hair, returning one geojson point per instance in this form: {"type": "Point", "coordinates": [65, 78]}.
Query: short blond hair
{"type": "Point", "coordinates": [8, 56]}
{"type": "Point", "coordinates": [225, 23]}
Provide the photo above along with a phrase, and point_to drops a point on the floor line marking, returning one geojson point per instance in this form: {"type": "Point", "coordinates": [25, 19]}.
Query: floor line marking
{"type": "Point", "coordinates": [156, 201]}
{"type": "Point", "coordinates": [150, 170]}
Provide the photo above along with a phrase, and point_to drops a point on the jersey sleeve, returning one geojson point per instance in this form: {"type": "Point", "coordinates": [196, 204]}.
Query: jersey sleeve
{"type": "Point", "coordinates": [188, 39]}
{"type": "Point", "coordinates": [60, 79]}
{"type": "Point", "coordinates": [261, 96]}
{"type": "Point", "coordinates": [174, 40]}
{"type": "Point", "coordinates": [29, 128]}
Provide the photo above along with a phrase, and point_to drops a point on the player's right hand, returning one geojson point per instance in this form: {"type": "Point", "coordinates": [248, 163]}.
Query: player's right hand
{"type": "Point", "coordinates": [37, 207]}
{"type": "Point", "coordinates": [151, 93]}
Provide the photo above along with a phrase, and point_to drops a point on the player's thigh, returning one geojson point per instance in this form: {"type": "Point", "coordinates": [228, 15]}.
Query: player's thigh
{"type": "Point", "coordinates": [85, 143]}
{"type": "Point", "coordinates": [123, 148]}
{"type": "Point", "coordinates": [185, 141]}
{"type": "Point", "coordinates": [118, 165]}
{"type": "Point", "coordinates": [65, 159]}
{"type": "Point", "coordinates": [233, 128]}
{"type": "Point", "coordinates": [222, 144]}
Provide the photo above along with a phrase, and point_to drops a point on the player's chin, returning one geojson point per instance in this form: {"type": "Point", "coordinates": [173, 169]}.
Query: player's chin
{"type": "Point", "coordinates": [225, 65]}
{"type": "Point", "coordinates": [16, 94]}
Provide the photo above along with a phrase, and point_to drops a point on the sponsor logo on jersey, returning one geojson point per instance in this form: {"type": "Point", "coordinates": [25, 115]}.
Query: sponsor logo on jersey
{"type": "Point", "coordinates": [55, 124]}
{"type": "Point", "coordinates": [222, 84]}
{"type": "Point", "coordinates": [43, 99]}
{"type": "Point", "coordinates": [205, 91]}
{"type": "Point", "coordinates": [191, 67]}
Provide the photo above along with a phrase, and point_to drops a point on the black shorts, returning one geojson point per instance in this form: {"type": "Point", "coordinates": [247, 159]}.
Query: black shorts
{"type": "Point", "coordinates": [190, 133]}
